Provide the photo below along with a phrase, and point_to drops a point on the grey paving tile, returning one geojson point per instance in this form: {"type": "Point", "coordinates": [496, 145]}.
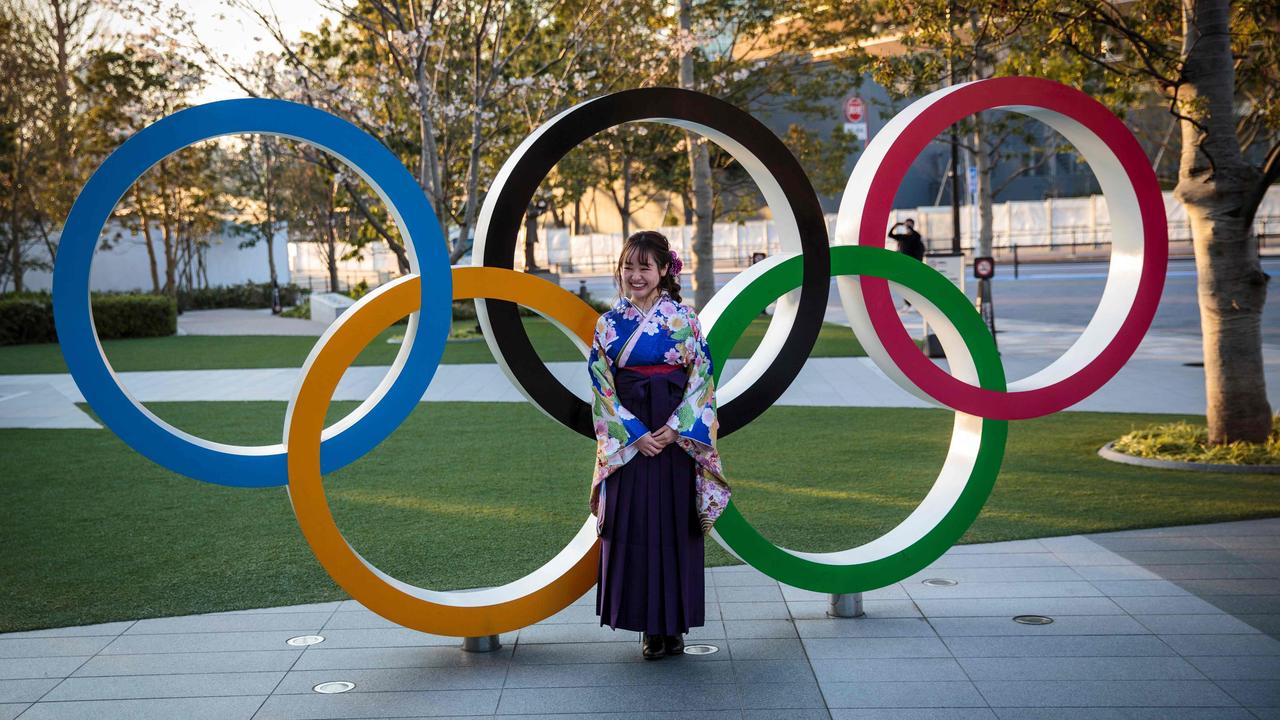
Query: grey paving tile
{"type": "Point", "coordinates": [624, 698]}
{"type": "Point", "coordinates": [1242, 604]}
{"type": "Point", "coordinates": [1060, 646]}
{"type": "Point", "coordinates": [165, 686]}
{"type": "Point", "coordinates": [749, 593]}
{"type": "Point", "coordinates": [913, 714]}
{"type": "Point", "coordinates": [397, 679]}
{"type": "Point", "coordinates": [748, 672]}
{"type": "Point", "coordinates": [1180, 557]}
{"type": "Point", "coordinates": [779, 695]}
{"type": "Point", "coordinates": [659, 715]}
{"type": "Point", "coordinates": [52, 647]}
{"type": "Point", "coordinates": [1104, 693]}
{"type": "Point", "coordinates": [1063, 625]}
{"type": "Point", "coordinates": [1214, 571]}
{"type": "Point", "coordinates": [582, 653]}
{"type": "Point", "coordinates": [1008, 546]}
{"type": "Point", "coordinates": [1188, 645]}
{"type": "Point", "coordinates": [215, 708]}
{"type": "Point", "coordinates": [26, 691]}
{"type": "Point", "coordinates": [1122, 544]}
{"type": "Point", "coordinates": [755, 611]}
{"type": "Point", "coordinates": [1255, 586]}
{"type": "Point", "coordinates": [740, 579]}
{"type": "Point", "coordinates": [755, 649]}
{"type": "Point", "coordinates": [1232, 542]}
{"type": "Point", "coordinates": [994, 560]}
{"type": "Point", "coordinates": [904, 694]}
{"type": "Point", "coordinates": [874, 609]}
{"type": "Point", "coordinates": [1170, 605]}
{"type": "Point", "coordinates": [1069, 544]}
{"type": "Point", "coordinates": [1269, 624]}
{"type": "Point", "coordinates": [356, 620]}
{"type": "Point", "coordinates": [379, 705]}
{"type": "Point", "coordinates": [317, 658]}
{"type": "Point", "coordinates": [759, 629]}
{"type": "Point", "coordinates": [394, 637]}
{"type": "Point", "coordinates": [786, 714]}
{"type": "Point", "coordinates": [831, 670]}
{"type": "Point", "coordinates": [298, 622]}
{"type": "Point", "coordinates": [101, 629]}
{"type": "Point", "coordinates": [306, 607]}
{"type": "Point", "coordinates": [1001, 607]}
{"type": "Point", "coordinates": [1056, 573]}
{"type": "Point", "coordinates": [822, 648]}
{"type": "Point", "coordinates": [575, 633]}
{"type": "Point", "coordinates": [1006, 590]}
{"type": "Point", "coordinates": [864, 627]}
{"type": "Point", "coordinates": [1118, 572]}
{"type": "Point", "coordinates": [1098, 557]}
{"type": "Point", "coordinates": [198, 663]}
{"type": "Point", "coordinates": [1253, 693]}
{"type": "Point", "coordinates": [1238, 668]}
{"type": "Point", "coordinates": [59, 667]}
{"type": "Point", "coordinates": [668, 671]}
{"type": "Point", "coordinates": [198, 642]}
{"type": "Point", "coordinates": [1139, 588]}
{"type": "Point", "coordinates": [9, 711]}
{"type": "Point", "coordinates": [1126, 713]}
{"type": "Point", "coordinates": [891, 592]}
{"type": "Point", "coordinates": [1195, 624]}
{"type": "Point", "coordinates": [1080, 668]}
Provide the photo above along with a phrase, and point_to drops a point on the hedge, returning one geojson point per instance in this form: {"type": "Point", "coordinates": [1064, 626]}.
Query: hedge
{"type": "Point", "coordinates": [248, 295]}
{"type": "Point", "coordinates": [28, 318]}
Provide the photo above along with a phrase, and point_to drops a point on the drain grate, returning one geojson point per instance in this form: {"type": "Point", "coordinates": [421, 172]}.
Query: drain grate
{"type": "Point", "coordinates": [305, 640]}
{"type": "Point", "coordinates": [334, 687]}
{"type": "Point", "coordinates": [700, 649]}
{"type": "Point", "coordinates": [941, 582]}
{"type": "Point", "coordinates": [1033, 620]}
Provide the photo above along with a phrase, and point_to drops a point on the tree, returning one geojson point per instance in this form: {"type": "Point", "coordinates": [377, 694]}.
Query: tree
{"type": "Point", "coordinates": [1216, 66]}
{"type": "Point", "coordinates": [256, 183]}
{"type": "Point", "coordinates": [25, 146]}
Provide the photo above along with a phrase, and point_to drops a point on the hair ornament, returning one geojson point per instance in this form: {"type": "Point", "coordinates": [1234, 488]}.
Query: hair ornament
{"type": "Point", "coordinates": [676, 264]}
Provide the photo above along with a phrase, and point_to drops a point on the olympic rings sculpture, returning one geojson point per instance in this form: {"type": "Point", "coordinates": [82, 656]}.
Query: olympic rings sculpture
{"type": "Point", "coordinates": [797, 280]}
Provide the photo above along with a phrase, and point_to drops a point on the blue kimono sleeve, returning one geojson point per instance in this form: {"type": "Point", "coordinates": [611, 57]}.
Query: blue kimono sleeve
{"type": "Point", "coordinates": [616, 428]}
{"type": "Point", "coordinates": [695, 417]}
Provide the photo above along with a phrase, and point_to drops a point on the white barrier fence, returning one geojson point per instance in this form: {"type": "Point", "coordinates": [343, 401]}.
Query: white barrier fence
{"type": "Point", "coordinates": [1043, 224]}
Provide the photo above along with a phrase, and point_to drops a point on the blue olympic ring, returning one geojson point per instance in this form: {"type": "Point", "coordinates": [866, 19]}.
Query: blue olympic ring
{"type": "Point", "coordinates": [241, 466]}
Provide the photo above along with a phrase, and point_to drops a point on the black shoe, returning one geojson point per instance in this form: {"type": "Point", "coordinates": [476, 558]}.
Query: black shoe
{"type": "Point", "coordinates": [673, 644]}
{"type": "Point", "coordinates": [651, 647]}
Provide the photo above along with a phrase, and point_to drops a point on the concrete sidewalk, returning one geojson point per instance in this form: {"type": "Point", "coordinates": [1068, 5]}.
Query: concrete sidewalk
{"type": "Point", "coordinates": [1175, 623]}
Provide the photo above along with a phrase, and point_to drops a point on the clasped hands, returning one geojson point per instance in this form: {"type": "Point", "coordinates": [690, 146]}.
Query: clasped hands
{"type": "Point", "coordinates": [652, 443]}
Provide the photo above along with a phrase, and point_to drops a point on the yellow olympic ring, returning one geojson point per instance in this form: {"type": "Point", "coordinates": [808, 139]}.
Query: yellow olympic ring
{"type": "Point", "coordinates": [523, 602]}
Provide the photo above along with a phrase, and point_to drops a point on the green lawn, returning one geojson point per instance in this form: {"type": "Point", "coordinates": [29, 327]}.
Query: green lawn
{"type": "Point", "coordinates": [204, 352]}
{"type": "Point", "coordinates": [94, 532]}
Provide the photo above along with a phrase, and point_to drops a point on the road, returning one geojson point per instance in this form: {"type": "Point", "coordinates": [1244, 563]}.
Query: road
{"type": "Point", "coordinates": [1062, 294]}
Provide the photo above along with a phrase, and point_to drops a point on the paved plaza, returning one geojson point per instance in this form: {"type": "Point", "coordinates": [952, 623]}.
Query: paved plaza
{"type": "Point", "coordinates": [1174, 623]}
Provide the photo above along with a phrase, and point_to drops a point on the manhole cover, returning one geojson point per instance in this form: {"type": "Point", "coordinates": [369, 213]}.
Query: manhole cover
{"type": "Point", "coordinates": [334, 687]}
{"type": "Point", "coordinates": [305, 640]}
{"type": "Point", "coordinates": [940, 582]}
{"type": "Point", "coordinates": [700, 649]}
{"type": "Point", "coordinates": [1033, 620]}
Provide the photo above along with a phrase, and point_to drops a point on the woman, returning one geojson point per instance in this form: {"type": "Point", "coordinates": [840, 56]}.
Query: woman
{"type": "Point", "coordinates": [658, 485]}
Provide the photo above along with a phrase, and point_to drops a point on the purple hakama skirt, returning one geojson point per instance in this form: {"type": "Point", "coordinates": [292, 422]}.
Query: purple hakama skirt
{"type": "Point", "coordinates": [651, 548]}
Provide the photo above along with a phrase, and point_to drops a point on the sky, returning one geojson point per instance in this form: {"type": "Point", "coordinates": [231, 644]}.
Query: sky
{"type": "Point", "coordinates": [239, 35]}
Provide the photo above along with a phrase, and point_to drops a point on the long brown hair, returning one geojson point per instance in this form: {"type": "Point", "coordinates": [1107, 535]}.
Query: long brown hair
{"type": "Point", "coordinates": [655, 246]}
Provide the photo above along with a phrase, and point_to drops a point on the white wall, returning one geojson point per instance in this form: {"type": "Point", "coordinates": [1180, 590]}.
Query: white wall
{"type": "Point", "coordinates": [125, 266]}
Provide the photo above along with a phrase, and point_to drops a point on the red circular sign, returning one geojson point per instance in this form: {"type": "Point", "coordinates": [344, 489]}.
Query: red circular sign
{"type": "Point", "coordinates": [854, 109]}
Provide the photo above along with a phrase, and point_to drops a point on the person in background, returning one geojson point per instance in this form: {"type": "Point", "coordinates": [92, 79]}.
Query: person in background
{"type": "Point", "coordinates": [909, 241]}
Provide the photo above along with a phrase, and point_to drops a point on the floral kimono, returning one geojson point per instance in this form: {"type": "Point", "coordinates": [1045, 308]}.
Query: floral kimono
{"type": "Point", "coordinates": [670, 334]}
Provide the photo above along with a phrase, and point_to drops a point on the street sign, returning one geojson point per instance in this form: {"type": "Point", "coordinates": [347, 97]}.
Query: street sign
{"type": "Point", "coordinates": [951, 266]}
{"type": "Point", "coordinates": [855, 110]}
{"type": "Point", "coordinates": [984, 267]}
{"type": "Point", "coordinates": [857, 129]}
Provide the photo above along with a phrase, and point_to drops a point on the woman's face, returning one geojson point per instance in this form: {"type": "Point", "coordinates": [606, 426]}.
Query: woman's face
{"type": "Point", "coordinates": [640, 275]}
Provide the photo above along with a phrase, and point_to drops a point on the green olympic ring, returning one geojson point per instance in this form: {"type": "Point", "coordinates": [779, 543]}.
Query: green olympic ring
{"type": "Point", "coordinates": [973, 460]}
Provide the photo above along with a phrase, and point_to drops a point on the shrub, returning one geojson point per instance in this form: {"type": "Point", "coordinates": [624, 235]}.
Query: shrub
{"type": "Point", "coordinates": [28, 318]}
{"type": "Point", "coordinates": [248, 295]}
{"type": "Point", "coordinates": [1190, 443]}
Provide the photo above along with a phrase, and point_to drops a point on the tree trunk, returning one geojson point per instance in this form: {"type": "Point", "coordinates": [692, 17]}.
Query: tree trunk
{"type": "Point", "coordinates": [624, 209]}
{"type": "Point", "coordinates": [145, 220]}
{"type": "Point", "coordinates": [704, 272]}
{"type": "Point", "coordinates": [1213, 181]}
{"type": "Point", "coordinates": [530, 240]}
